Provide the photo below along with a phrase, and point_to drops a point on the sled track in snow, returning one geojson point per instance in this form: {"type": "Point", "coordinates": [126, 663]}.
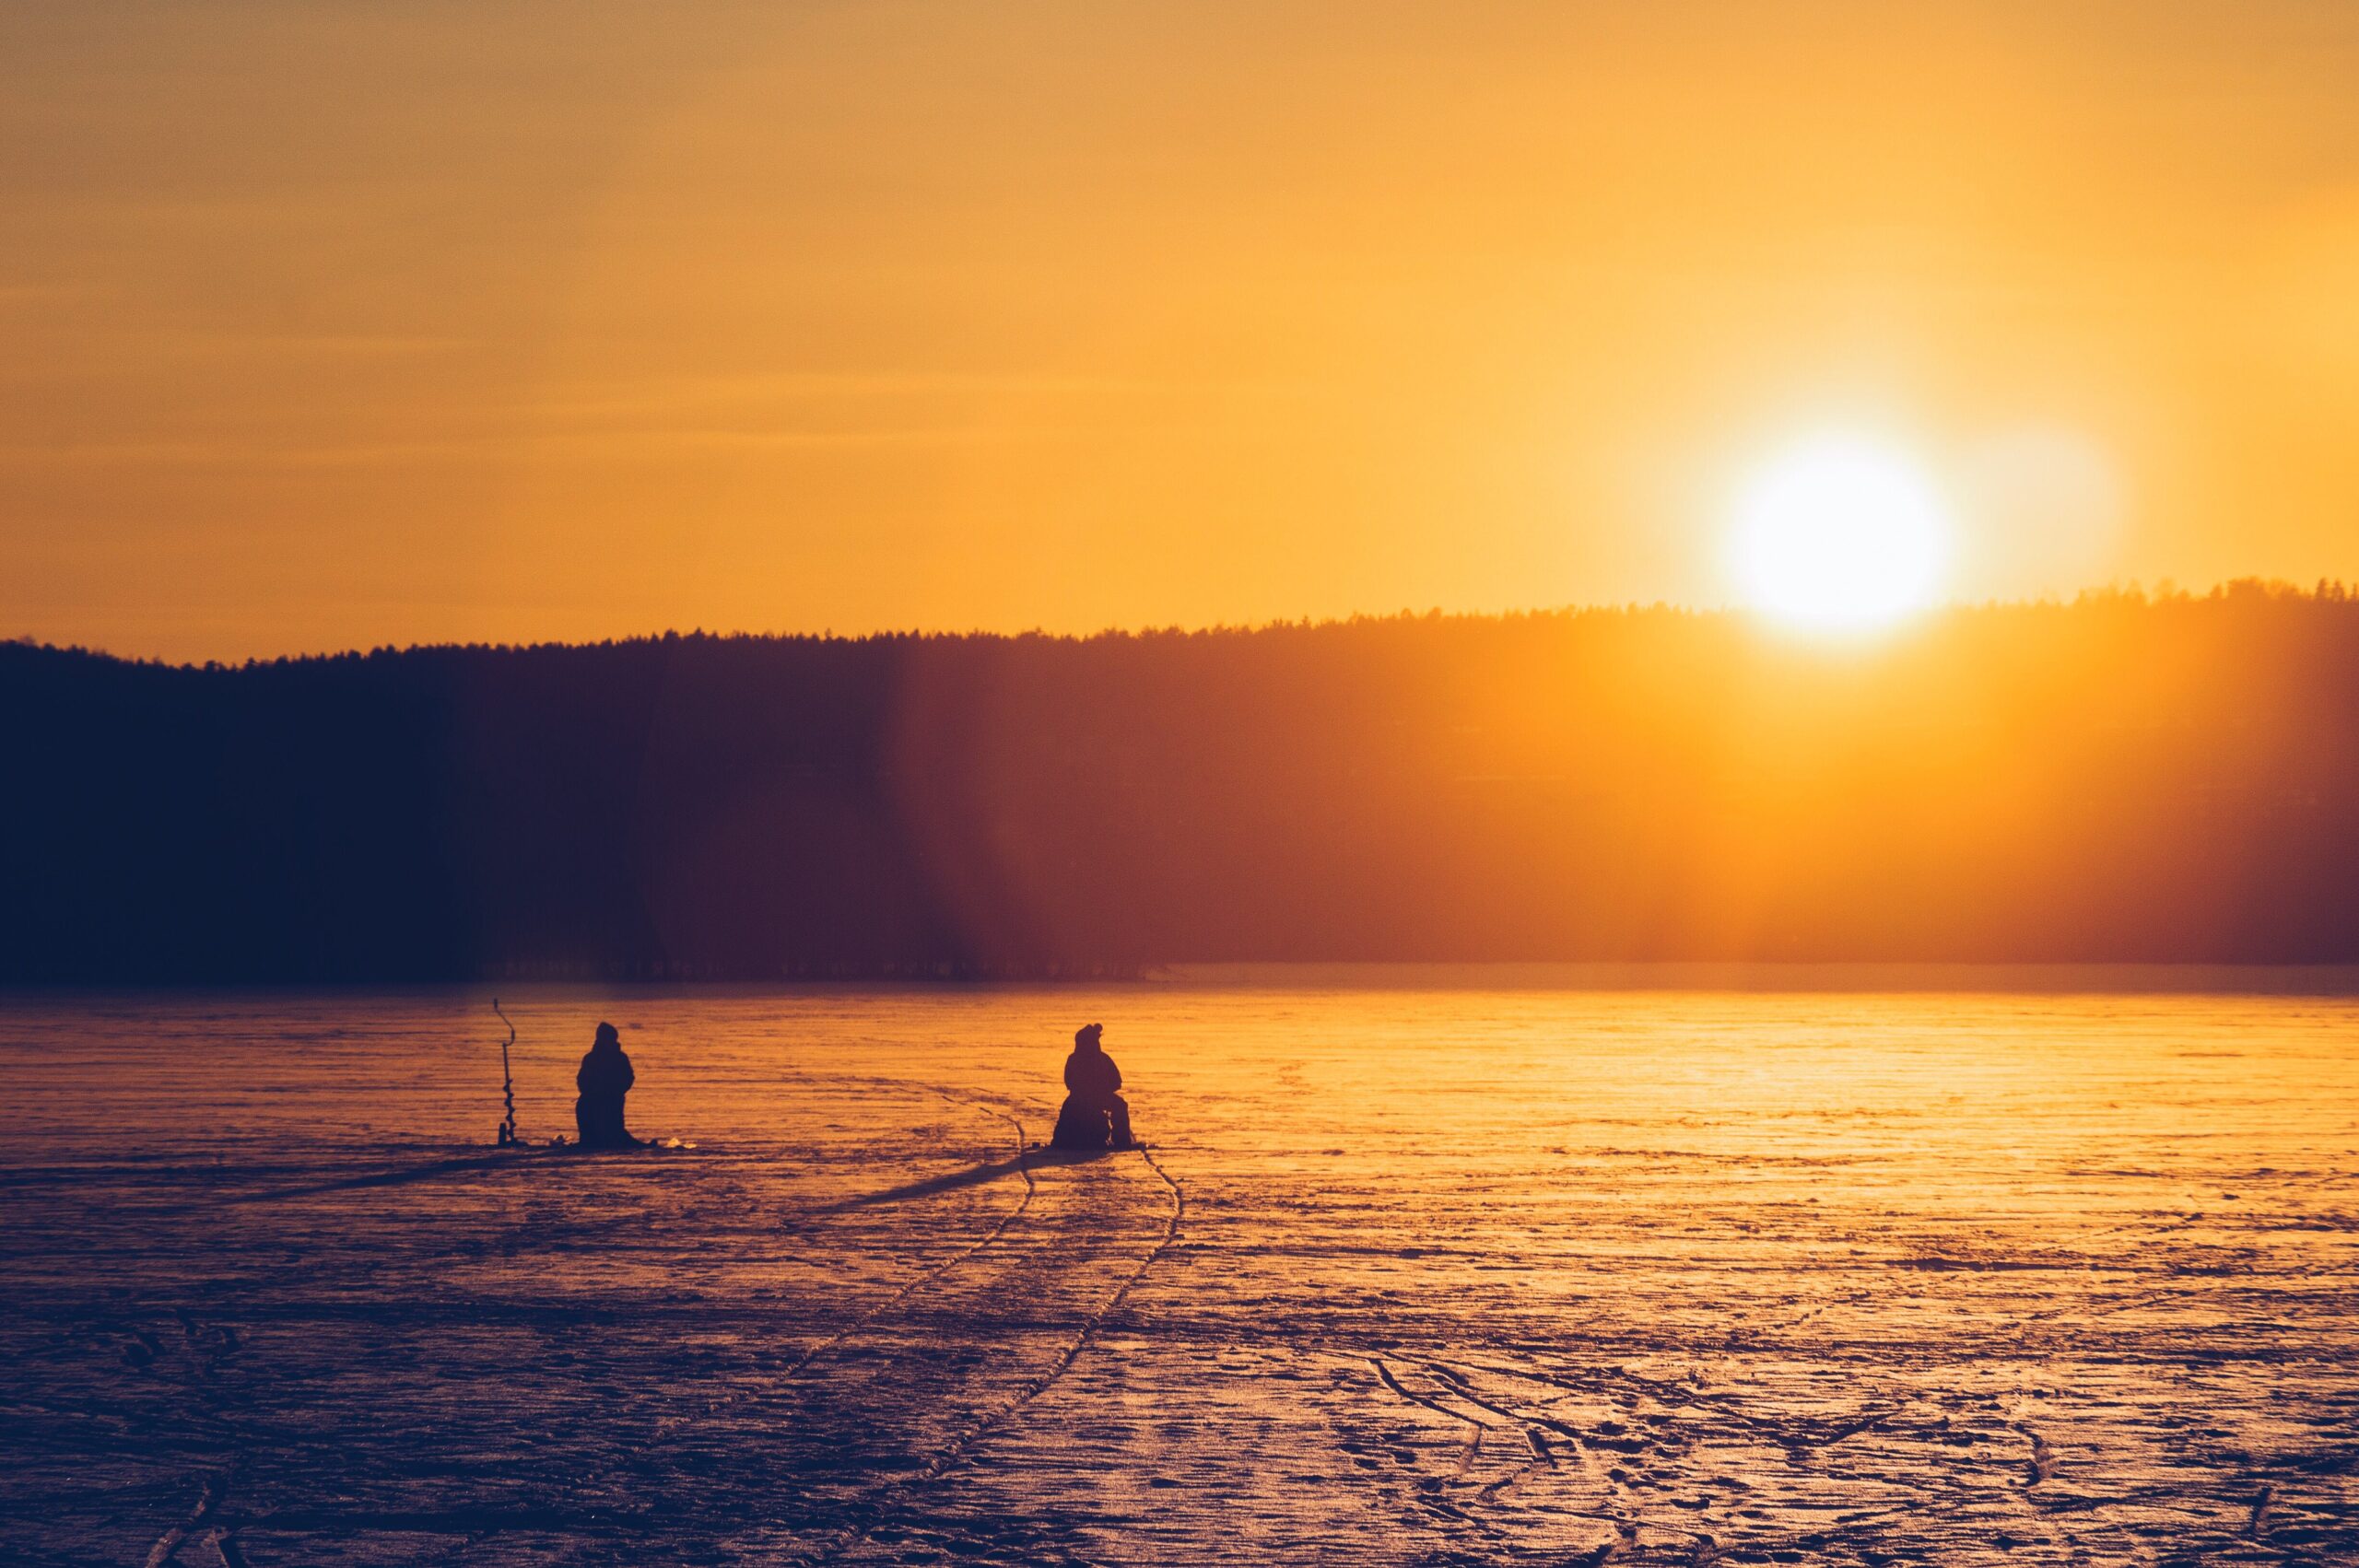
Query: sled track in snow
{"type": "Point", "coordinates": [955, 1451]}
{"type": "Point", "coordinates": [895, 1298]}
{"type": "Point", "coordinates": [909, 1287]}
{"type": "Point", "coordinates": [207, 1347]}
{"type": "Point", "coordinates": [950, 1456]}
{"type": "Point", "coordinates": [1024, 1204]}
{"type": "Point", "coordinates": [168, 1545]}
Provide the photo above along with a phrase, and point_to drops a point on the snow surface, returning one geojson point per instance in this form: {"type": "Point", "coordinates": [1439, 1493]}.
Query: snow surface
{"type": "Point", "coordinates": [1434, 1275]}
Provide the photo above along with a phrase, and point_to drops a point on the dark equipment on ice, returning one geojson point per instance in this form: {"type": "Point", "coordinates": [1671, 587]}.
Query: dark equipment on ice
{"type": "Point", "coordinates": [605, 1077]}
{"type": "Point", "coordinates": [1094, 1114]}
{"type": "Point", "coordinates": [507, 1080]}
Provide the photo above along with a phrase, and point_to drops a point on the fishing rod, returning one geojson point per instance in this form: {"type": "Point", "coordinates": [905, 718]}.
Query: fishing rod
{"type": "Point", "coordinates": [507, 1079]}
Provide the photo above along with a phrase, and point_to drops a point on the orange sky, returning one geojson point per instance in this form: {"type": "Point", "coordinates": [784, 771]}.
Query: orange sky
{"type": "Point", "coordinates": [341, 325]}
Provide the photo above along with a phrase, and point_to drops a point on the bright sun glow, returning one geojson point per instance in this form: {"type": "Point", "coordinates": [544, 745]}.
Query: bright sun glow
{"type": "Point", "coordinates": [1838, 534]}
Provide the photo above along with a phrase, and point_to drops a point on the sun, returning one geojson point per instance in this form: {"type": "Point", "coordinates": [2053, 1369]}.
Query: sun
{"type": "Point", "coordinates": [1838, 534]}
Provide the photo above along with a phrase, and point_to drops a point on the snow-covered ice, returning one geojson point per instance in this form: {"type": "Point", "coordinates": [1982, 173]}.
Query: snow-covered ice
{"type": "Point", "coordinates": [1412, 1275]}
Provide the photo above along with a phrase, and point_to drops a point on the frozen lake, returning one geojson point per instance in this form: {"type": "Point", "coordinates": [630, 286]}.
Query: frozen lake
{"type": "Point", "coordinates": [1424, 1268]}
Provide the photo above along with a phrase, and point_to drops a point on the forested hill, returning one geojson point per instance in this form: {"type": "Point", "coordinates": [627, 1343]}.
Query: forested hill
{"type": "Point", "coordinates": [2117, 779]}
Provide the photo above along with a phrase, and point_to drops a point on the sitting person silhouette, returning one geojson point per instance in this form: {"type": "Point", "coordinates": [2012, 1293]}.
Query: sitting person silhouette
{"type": "Point", "coordinates": [605, 1077]}
{"type": "Point", "coordinates": [1094, 1114]}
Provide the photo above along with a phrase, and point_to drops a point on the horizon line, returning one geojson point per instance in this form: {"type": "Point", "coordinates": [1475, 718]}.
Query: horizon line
{"type": "Point", "coordinates": [2164, 592]}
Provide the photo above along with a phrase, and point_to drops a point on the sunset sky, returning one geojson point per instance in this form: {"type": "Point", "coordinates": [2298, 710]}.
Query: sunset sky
{"type": "Point", "coordinates": [338, 326]}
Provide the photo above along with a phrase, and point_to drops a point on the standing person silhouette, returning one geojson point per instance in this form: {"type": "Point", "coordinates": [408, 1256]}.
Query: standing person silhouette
{"type": "Point", "coordinates": [605, 1077]}
{"type": "Point", "coordinates": [1095, 1113]}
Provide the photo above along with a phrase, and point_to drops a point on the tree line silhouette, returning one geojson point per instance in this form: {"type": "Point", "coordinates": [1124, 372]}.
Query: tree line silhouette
{"type": "Point", "coordinates": [2123, 778]}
